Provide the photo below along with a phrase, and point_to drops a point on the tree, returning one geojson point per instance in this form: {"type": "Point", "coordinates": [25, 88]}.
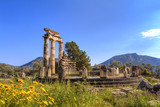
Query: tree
{"type": "Point", "coordinates": [27, 70]}
{"type": "Point", "coordinates": [117, 63]}
{"type": "Point", "coordinates": [158, 69]}
{"type": "Point", "coordinates": [110, 65]}
{"type": "Point", "coordinates": [77, 55]}
{"type": "Point", "coordinates": [129, 64]}
{"type": "Point", "coordinates": [37, 65]}
{"type": "Point", "coordinates": [7, 69]}
{"type": "Point", "coordinates": [17, 69]}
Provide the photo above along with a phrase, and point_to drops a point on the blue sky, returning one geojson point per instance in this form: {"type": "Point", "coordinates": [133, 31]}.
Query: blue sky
{"type": "Point", "coordinates": [102, 28]}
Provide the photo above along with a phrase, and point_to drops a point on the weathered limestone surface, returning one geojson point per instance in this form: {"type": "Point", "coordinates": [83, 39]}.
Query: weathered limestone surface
{"type": "Point", "coordinates": [84, 72]}
{"type": "Point", "coordinates": [136, 71]}
{"type": "Point", "coordinates": [65, 65]}
{"type": "Point", "coordinates": [45, 55]}
{"type": "Point", "coordinates": [60, 50]}
{"type": "Point", "coordinates": [127, 89]}
{"type": "Point", "coordinates": [128, 70]}
{"type": "Point", "coordinates": [125, 72]}
{"type": "Point", "coordinates": [113, 71]}
{"type": "Point", "coordinates": [53, 36]}
{"type": "Point", "coordinates": [52, 58]}
{"type": "Point", "coordinates": [117, 71]}
{"type": "Point", "coordinates": [145, 84]}
{"type": "Point", "coordinates": [156, 87]}
{"type": "Point", "coordinates": [41, 73]}
{"type": "Point", "coordinates": [104, 72]}
{"type": "Point", "coordinates": [118, 93]}
{"type": "Point", "coordinates": [49, 73]}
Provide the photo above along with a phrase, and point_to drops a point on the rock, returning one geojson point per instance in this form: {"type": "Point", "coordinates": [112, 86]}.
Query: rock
{"type": "Point", "coordinates": [156, 87]}
{"type": "Point", "coordinates": [118, 93]}
{"type": "Point", "coordinates": [145, 84]}
{"type": "Point", "coordinates": [154, 102]}
{"type": "Point", "coordinates": [117, 90]}
{"type": "Point", "coordinates": [136, 91]}
{"type": "Point", "coordinates": [127, 89]}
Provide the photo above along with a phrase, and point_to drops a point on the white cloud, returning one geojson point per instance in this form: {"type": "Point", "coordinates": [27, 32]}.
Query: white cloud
{"type": "Point", "coordinates": [151, 33]}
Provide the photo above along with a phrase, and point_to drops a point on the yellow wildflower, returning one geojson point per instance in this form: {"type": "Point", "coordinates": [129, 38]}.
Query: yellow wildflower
{"type": "Point", "coordinates": [17, 102]}
{"type": "Point", "coordinates": [22, 99]}
{"type": "Point", "coordinates": [21, 88]}
{"type": "Point", "coordinates": [37, 94]}
{"type": "Point", "coordinates": [29, 98]}
{"type": "Point", "coordinates": [35, 82]}
{"type": "Point", "coordinates": [45, 102]}
{"type": "Point", "coordinates": [43, 89]}
{"type": "Point", "coordinates": [11, 81]}
{"type": "Point", "coordinates": [39, 102]}
{"type": "Point", "coordinates": [1, 84]}
{"type": "Point", "coordinates": [75, 99]}
{"type": "Point", "coordinates": [41, 84]}
{"type": "Point", "coordinates": [31, 87]}
{"type": "Point", "coordinates": [13, 94]}
{"type": "Point", "coordinates": [20, 80]}
{"type": "Point", "coordinates": [53, 101]}
{"type": "Point", "coordinates": [6, 86]}
{"type": "Point", "coordinates": [13, 86]}
{"type": "Point", "coordinates": [51, 98]}
{"type": "Point", "coordinates": [50, 103]}
{"type": "Point", "coordinates": [3, 102]}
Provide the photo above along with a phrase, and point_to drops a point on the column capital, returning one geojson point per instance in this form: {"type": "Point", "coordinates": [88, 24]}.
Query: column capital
{"type": "Point", "coordinates": [45, 36]}
{"type": "Point", "coordinates": [60, 42]}
{"type": "Point", "coordinates": [52, 40]}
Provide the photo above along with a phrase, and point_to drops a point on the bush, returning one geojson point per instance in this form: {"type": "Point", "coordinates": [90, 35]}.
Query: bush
{"type": "Point", "coordinates": [146, 72]}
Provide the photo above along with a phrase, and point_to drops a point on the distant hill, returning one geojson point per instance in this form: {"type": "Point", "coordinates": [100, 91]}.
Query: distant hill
{"type": "Point", "coordinates": [30, 64]}
{"type": "Point", "coordinates": [134, 58]}
{"type": "Point", "coordinates": [8, 65]}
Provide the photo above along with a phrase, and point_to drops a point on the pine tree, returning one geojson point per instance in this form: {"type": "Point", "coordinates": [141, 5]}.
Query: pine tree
{"type": "Point", "coordinates": [77, 55]}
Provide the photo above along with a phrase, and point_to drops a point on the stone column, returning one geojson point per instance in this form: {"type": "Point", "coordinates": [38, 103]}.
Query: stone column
{"type": "Point", "coordinates": [60, 51]}
{"type": "Point", "coordinates": [103, 72]}
{"type": "Point", "coordinates": [52, 57]}
{"type": "Point", "coordinates": [84, 73]}
{"type": "Point", "coordinates": [45, 55]}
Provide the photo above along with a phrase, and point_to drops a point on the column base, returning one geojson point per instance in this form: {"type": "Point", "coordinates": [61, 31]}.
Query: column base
{"type": "Point", "coordinates": [42, 72]}
{"type": "Point", "coordinates": [49, 73]}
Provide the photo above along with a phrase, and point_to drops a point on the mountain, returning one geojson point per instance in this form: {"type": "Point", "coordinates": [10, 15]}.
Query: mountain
{"type": "Point", "coordinates": [30, 64]}
{"type": "Point", "coordinates": [8, 65]}
{"type": "Point", "coordinates": [134, 58]}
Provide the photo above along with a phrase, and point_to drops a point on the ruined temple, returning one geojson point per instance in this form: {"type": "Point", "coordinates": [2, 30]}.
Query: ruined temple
{"type": "Point", "coordinates": [47, 68]}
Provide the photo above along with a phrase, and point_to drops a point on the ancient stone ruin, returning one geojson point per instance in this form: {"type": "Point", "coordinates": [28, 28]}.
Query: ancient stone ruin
{"type": "Point", "coordinates": [113, 71]}
{"type": "Point", "coordinates": [125, 72]}
{"type": "Point", "coordinates": [84, 73]}
{"type": "Point", "coordinates": [53, 36]}
{"type": "Point", "coordinates": [65, 66]}
{"type": "Point", "coordinates": [136, 71]}
{"type": "Point", "coordinates": [64, 63]}
{"type": "Point", "coordinates": [104, 72]}
{"type": "Point", "coordinates": [108, 75]}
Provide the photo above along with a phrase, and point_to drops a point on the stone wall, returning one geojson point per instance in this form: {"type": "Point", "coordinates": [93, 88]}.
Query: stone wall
{"type": "Point", "coordinates": [66, 66]}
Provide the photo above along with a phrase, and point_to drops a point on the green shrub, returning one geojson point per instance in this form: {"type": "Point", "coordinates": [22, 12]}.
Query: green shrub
{"type": "Point", "coordinates": [146, 72]}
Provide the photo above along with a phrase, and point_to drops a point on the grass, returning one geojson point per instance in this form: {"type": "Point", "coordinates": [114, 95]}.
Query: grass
{"type": "Point", "coordinates": [28, 93]}
{"type": "Point", "coordinates": [73, 74]}
{"type": "Point", "coordinates": [152, 80]}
